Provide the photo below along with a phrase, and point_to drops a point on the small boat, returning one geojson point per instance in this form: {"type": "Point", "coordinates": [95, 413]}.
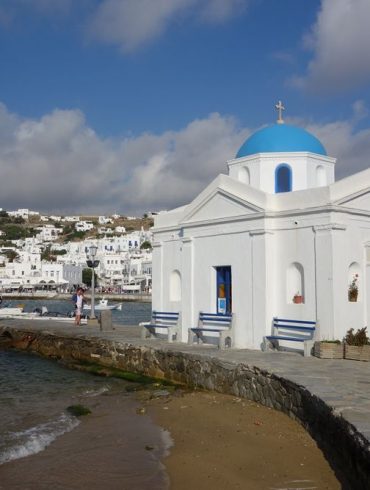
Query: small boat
{"type": "Point", "coordinates": [17, 312]}
{"type": "Point", "coordinates": [103, 305]}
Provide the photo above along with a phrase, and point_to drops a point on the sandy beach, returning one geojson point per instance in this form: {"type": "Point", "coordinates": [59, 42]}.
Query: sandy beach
{"type": "Point", "coordinates": [223, 442]}
{"type": "Point", "coordinates": [220, 442]}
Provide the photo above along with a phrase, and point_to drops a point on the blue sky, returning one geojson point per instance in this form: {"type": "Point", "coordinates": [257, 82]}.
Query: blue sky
{"type": "Point", "coordinates": [147, 99]}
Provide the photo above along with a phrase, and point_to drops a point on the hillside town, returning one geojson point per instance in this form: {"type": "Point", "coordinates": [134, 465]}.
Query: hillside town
{"type": "Point", "coordinates": [49, 252]}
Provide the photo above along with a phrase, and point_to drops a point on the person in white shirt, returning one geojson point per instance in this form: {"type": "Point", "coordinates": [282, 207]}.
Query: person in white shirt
{"type": "Point", "coordinates": [79, 306]}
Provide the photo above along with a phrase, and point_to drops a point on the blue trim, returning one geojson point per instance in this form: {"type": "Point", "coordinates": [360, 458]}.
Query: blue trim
{"type": "Point", "coordinates": [280, 185]}
{"type": "Point", "coordinates": [276, 319]}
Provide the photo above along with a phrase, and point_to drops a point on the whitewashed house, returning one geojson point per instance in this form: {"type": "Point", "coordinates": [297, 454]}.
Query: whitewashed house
{"type": "Point", "coordinates": [277, 227]}
{"type": "Point", "coordinates": [84, 226]}
{"type": "Point", "coordinates": [48, 233]}
{"type": "Point", "coordinates": [103, 220]}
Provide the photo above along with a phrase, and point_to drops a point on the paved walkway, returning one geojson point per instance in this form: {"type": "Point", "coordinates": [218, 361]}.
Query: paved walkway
{"type": "Point", "coordinates": [342, 384]}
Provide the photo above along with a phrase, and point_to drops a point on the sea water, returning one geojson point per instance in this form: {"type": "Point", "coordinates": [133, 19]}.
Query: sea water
{"type": "Point", "coordinates": [132, 313]}
{"type": "Point", "coordinates": [35, 394]}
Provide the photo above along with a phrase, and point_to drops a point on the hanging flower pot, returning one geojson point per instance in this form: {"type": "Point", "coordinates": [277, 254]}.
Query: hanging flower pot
{"type": "Point", "coordinates": [353, 289]}
{"type": "Point", "coordinates": [353, 295]}
{"type": "Point", "coordinates": [297, 298]}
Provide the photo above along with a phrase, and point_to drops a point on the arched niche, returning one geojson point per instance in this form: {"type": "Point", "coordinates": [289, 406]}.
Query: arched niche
{"type": "Point", "coordinates": [283, 178]}
{"type": "Point", "coordinates": [320, 176]}
{"type": "Point", "coordinates": [244, 175]}
{"type": "Point", "coordinates": [295, 287]}
{"type": "Point", "coordinates": [354, 282]}
{"type": "Point", "coordinates": [175, 286]}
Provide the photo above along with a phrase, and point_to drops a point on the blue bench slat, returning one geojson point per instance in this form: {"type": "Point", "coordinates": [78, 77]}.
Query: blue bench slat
{"type": "Point", "coordinates": [197, 329]}
{"type": "Point", "coordinates": [214, 315]}
{"type": "Point", "coordinates": [280, 337]}
{"type": "Point", "coordinates": [214, 320]}
{"type": "Point", "coordinates": [293, 321]}
{"type": "Point", "coordinates": [297, 327]}
{"type": "Point", "coordinates": [164, 312]}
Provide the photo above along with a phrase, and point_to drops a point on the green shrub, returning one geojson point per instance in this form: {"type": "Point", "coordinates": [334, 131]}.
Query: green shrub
{"type": "Point", "coordinates": [358, 338]}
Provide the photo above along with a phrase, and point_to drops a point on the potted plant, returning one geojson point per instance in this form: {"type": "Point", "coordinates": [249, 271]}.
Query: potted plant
{"type": "Point", "coordinates": [297, 298]}
{"type": "Point", "coordinates": [357, 345]}
{"type": "Point", "coordinates": [353, 289]}
{"type": "Point", "coordinates": [328, 349]}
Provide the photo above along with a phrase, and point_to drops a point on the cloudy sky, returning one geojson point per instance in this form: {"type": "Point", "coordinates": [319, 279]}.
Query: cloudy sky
{"type": "Point", "coordinates": [135, 105]}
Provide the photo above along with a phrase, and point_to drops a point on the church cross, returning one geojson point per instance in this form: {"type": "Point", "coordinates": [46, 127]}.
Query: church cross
{"type": "Point", "coordinates": [280, 109]}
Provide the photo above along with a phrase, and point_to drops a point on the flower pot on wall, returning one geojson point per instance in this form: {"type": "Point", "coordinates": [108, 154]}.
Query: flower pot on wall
{"type": "Point", "coordinates": [328, 350]}
{"type": "Point", "coordinates": [357, 352]}
{"type": "Point", "coordinates": [297, 299]}
{"type": "Point", "coordinates": [352, 296]}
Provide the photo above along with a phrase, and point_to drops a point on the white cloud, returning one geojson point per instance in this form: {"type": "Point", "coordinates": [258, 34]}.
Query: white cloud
{"type": "Point", "coordinates": [340, 41]}
{"type": "Point", "coordinates": [133, 23]}
{"type": "Point", "coordinates": [58, 163]}
{"type": "Point", "coordinates": [343, 141]}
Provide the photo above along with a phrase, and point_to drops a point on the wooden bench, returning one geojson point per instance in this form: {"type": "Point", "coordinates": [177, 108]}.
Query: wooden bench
{"type": "Point", "coordinates": [298, 332]}
{"type": "Point", "coordinates": [213, 326]}
{"type": "Point", "coordinates": [162, 324]}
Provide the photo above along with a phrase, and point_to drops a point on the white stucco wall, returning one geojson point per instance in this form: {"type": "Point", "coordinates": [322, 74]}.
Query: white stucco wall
{"type": "Point", "coordinates": [261, 169]}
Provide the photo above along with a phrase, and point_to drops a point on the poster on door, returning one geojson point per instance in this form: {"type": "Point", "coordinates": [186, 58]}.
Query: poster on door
{"type": "Point", "coordinates": [221, 305]}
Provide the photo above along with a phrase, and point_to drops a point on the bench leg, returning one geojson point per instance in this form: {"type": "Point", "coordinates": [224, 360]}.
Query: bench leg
{"type": "Point", "coordinates": [148, 333]}
{"type": "Point", "coordinates": [173, 334]}
{"type": "Point", "coordinates": [226, 340]}
{"type": "Point", "coordinates": [266, 345]}
{"type": "Point", "coordinates": [191, 337]}
{"type": "Point", "coordinates": [308, 346]}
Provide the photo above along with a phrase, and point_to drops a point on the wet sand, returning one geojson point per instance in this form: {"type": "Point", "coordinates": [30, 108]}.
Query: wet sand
{"type": "Point", "coordinates": [220, 442]}
{"type": "Point", "coordinates": [223, 442]}
{"type": "Point", "coordinates": [113, 448]}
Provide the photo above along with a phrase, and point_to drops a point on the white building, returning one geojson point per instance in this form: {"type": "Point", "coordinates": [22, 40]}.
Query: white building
{"type": "Point", "coordinates": [84, 225]}
{"type": "Point", "coordinates": [103, 220]}
{"type": "Point", "coordinates": [23, 213]}
{"type": "Point", "coordinates": [120, 229]}
{"type": "Point", "coordinates": [276, 227]}
{"type": "Point", "coordinates": [71, 219]}
{"type": "Point", "coordinates": [48, 233]}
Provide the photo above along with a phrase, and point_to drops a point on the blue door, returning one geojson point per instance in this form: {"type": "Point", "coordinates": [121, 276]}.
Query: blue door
{"type": "Point", "coordinates": [224, 290]}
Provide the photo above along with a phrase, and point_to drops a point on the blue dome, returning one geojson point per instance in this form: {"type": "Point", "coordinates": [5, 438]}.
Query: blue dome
{"type": "Point", "coordinates": [281, 138]}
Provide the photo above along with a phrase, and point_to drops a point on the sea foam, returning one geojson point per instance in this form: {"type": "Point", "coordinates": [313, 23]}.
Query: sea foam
{"type": "Point", "coordinates": [36, 439]}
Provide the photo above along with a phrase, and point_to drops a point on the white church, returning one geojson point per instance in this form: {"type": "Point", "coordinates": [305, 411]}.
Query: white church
{"type": "Point", "coordinates": [276, 237]}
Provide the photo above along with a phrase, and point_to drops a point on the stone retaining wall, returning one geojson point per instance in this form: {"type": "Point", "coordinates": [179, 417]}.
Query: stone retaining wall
{"type": "Point", "coordinates": [345, 448]}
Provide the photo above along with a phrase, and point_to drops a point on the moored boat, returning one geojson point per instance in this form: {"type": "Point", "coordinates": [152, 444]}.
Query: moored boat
{"type": "Point", "coordinates": [103, 305]}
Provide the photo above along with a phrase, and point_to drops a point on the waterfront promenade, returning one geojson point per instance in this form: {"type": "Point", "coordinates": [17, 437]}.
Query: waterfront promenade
{"type": "Point", "coordinates": [331, 398]}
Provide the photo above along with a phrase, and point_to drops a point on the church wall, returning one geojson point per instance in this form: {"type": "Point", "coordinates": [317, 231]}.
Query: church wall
{"type": "Point", "coordinates": [166, 259]}
{"type": "Point", "coordinates": [294, 250]}
{"type": "Point", "coordinates": [350, 250]}
{"type": "Point", "coordinates": [224, 250]}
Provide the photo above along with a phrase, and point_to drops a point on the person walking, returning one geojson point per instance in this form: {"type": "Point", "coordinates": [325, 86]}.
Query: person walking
{"type": "Point", "coordinates": [79, 306]}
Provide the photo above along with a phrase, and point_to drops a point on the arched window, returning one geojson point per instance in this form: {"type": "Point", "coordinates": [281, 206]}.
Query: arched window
{"type": "Point", "coordinates": [175, 286]}
{"type": "Point", "coordinates": [283, 178]}
{"type": "Point", "coordinates": [295, 283]}
{"type": "Point", "coordinates": [320, 176]}
{"type": "Point", "coordinates": [244, 175]}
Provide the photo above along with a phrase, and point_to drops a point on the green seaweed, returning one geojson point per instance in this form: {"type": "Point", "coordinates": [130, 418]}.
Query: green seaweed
{"type": "Point", "coordinates": [142, 379]}
{"type": "Point", "coordinates": [78, 410]}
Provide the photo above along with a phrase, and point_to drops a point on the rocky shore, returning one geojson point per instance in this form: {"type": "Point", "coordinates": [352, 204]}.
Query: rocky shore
{"type": "Point", "coordinates": [346, 448]}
